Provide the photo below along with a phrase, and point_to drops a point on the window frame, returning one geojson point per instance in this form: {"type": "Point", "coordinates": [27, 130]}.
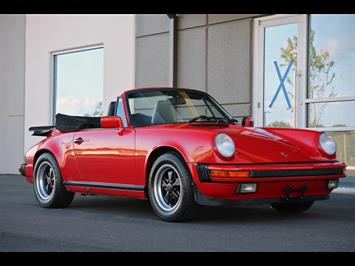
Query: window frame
{"type": "Point", "coordinates": [124, 119]}
{"type": "Point", "coordinates": [258, 65]}
{"type": "Point", "coordinates": [302, 74]}
{"type": "Point", "coordinates": [128, 111]}
{"type": "Point", "coordinates": [53, 77]}
{"type": "Point", "coordinates": [335, 99]}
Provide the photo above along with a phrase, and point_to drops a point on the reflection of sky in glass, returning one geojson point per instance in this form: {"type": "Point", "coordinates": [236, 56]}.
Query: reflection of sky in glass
{"type": "Point", "coordinates": [79, 82]}
{"type": "Point", "coordinates": [275, 39]}
{"type": "Point", "coordinates": [336, 114]}
{"type": "Point", "coordinates": [336, 35]}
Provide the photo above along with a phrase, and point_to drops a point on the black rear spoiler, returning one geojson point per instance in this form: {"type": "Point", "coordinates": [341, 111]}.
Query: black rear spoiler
{"type": "Point", "coordinates": [41, 131]}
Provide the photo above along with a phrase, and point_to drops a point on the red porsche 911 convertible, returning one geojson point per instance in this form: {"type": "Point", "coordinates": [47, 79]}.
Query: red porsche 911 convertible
{"type": "Point", "coordinates": [180, 149]}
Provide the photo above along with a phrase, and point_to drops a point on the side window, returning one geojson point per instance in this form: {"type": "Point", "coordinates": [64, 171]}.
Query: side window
{"type": "Point", "coordinates": [120, 111]}
{"type": "Point", "coordinates": [78, 82]}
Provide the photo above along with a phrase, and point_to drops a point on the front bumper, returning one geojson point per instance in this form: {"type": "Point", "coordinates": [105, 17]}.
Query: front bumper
{"type": "Point", "coordinates": [275, 181]}
{"type": "Point", "coordinates": [272, 171]}
{"type": "Point", "coordinates": [209, 201]}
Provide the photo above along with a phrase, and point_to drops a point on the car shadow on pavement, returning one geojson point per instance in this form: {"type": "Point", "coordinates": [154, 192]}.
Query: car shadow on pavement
{"type": "Point", "coordinates": [247, 214]}
{"type": "Point", "coordinates": [141, 209]}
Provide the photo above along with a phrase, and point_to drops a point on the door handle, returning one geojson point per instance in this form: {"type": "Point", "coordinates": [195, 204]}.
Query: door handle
{"type": "Point", "coordinates": [78, 140]}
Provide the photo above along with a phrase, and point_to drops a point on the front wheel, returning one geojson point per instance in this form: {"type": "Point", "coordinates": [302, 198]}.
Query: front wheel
{"type": "Point", "coordinates": [48, 184]}
{"type": "Point", "coordinates": [292, 207]}
{"type": "Point", "coordinates": [170, 189]}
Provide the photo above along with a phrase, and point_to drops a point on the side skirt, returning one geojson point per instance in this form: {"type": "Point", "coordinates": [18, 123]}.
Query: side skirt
{"type": "Point", "coordinates": [104, 185]}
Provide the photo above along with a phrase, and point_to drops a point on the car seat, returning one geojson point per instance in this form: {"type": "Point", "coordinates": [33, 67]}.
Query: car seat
{"type": "Point", "coordinates": [164, 112]}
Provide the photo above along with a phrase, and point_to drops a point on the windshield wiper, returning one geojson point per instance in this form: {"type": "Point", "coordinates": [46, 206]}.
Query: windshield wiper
{"type": "Point", "coordinates": [209, 118]}
{"type": "Point", "coordinates": [233, 121]}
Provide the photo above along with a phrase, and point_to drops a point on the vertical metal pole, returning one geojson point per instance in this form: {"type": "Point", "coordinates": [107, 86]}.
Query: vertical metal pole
{"type": "Point", "coordinates": [172, 50]}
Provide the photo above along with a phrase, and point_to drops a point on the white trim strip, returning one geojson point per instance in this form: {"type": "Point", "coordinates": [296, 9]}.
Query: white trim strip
{"type": "Point", "coordinates": [344, 190]}
{"type": "Point", "coordinates": [331, 129]}
{"type": "Point", "coordinates": [330, 99]}
{"type": "Point", "coordinates": [78, 49]}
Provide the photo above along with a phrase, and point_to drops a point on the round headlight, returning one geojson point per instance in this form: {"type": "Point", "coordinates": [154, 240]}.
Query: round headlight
{"type": "Point", "coordinates": [327, 143]}
{"type": "Point", "coordinates": [225, 145]}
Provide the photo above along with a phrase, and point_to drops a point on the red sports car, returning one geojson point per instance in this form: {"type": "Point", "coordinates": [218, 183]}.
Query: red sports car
{"type": "Point", "coordinates": [179, 149]}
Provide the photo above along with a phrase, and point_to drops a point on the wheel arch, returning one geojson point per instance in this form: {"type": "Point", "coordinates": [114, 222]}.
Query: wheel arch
{"type": "Point", "coordinates": [39, 153]}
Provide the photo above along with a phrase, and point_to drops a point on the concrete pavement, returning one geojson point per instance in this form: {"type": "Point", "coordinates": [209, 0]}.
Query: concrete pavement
{"type": "Point", "coordinates": [100, 223]}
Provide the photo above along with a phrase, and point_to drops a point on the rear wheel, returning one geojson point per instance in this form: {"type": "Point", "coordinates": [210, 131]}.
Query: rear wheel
{"type": "Point", "coordinates": [292, 207]}
{"type": "Point", "coordinates": [170, 189]}
{"type": "Point", "coordinates": [48, 184]}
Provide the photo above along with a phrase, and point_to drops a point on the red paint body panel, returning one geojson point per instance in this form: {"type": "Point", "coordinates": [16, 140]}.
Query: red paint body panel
{"type": "Point", "coordinates": [121, 156]}
{"type": "Point", "coordinates": [106, 155]}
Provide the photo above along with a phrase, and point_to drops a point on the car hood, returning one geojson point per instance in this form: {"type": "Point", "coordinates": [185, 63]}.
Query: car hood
{"type": "Point", "coordinates": [262, 144]}
{"type": "Point", "coordinates": [273, 145]}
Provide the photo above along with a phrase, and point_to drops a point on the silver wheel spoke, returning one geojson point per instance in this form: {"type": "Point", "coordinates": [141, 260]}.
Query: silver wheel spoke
{"type": "Point", "coordinates": [166, 197]}
{"type": "Point", "coordinates": [177, 183]}
{"type": "Point", "coordinates": [175, 194]}
{"type": "Point", "coordinates": [164, 185]}
{"type": "Point", "coordinates": [170, 175]}
{"type": "Point", "coordinates": [51, 172]}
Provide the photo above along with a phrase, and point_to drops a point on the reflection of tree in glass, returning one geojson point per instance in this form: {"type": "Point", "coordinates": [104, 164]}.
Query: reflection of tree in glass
{"type": "Point", "coordinates": [278, 123]}
{"type": "Point", "coordinates": [320, 75]}
{"type": "Point", "coordinates": [98, 110]}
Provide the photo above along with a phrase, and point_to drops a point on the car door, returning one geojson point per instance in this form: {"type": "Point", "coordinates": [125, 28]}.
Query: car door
{"type": "Point", "coordinates": [106, 155]}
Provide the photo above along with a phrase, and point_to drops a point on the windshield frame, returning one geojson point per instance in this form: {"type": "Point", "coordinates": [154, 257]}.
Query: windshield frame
{"type": "Point", "coordinates": [205, 96]}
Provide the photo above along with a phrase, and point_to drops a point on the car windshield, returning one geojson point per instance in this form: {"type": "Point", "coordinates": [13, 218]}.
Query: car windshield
{"type": "Point", "coordinates": [152, 107]}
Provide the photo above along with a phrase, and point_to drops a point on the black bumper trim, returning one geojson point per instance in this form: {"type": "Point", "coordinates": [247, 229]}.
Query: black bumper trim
{"type": "Point", "coordinates": [296, 172]}
{"type": "Point", "coordinates": [204, 172]}
{"type": "Point", "coordinates": [22, 169]}
{"type": "Point", "coordinates": [208, 201]}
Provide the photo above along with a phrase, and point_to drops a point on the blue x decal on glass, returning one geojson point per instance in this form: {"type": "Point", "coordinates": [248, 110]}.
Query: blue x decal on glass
{"type": "Point", "coordinates": [282, 84]}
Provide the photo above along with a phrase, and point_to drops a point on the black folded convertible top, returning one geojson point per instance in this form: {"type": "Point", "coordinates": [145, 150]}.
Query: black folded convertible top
{"type": "Point", "coordinates": [67, 123]}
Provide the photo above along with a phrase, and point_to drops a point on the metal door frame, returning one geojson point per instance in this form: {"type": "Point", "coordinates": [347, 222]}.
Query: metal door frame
{"type": "Point", "coordinates": [258, 66]}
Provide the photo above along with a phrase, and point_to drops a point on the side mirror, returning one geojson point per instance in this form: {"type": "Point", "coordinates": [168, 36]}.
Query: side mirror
{"type": "Point", "coordinates": [247, 122]}
{"type": "Point", "coordinates": [111, 122]}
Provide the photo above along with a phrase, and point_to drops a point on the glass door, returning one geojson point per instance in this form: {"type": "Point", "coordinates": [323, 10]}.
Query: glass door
{"type": "Point", "coordinates": [280, 81]}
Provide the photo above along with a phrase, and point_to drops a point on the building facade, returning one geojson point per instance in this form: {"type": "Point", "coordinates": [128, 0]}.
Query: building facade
{"type": "Point", "coordinates": [282, 70]}
{"type": "Point", "coordinates": [73, 64]}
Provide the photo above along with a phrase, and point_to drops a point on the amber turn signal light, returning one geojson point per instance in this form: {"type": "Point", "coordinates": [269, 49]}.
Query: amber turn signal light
{"type": "Point", "coordinates": [229, 173]}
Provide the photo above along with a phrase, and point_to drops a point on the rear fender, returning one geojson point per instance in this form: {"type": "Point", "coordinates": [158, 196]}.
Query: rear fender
{"type": "Point", "coordinates": [61, 147]}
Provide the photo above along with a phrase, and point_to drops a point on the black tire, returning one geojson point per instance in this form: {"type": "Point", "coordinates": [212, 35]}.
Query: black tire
{"type": "Point", "coordinates": [54, 195]}
{"type": "Point", "coordinates": [292, 207]}
{"type": "Point", "coordinates": [185, 206]}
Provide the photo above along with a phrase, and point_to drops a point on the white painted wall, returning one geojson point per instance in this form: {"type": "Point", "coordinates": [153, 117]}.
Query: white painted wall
{"type": "Point", "coordinates": [12, 92]}
{"type": "Point", "coordinates": [51, 33]}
